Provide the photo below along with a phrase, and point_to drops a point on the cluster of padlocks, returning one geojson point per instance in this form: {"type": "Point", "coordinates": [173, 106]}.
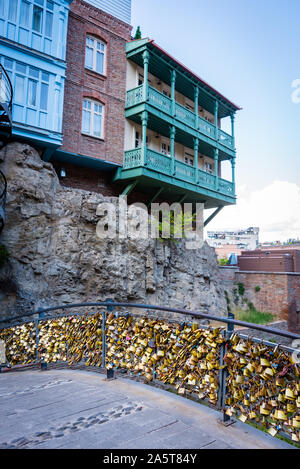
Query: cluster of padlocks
{"type": "Point", "coordinates": [262, 382]}
{"type": "Point", "coordinates": [263, 386]}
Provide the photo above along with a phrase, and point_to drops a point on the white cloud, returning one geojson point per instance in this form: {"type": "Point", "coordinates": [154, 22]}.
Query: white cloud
{"type": "Point", "coordinates": [275, 209]}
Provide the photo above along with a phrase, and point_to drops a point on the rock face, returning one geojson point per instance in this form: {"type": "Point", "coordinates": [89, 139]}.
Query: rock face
{"type": "Point", "coordinates": [56, 257]}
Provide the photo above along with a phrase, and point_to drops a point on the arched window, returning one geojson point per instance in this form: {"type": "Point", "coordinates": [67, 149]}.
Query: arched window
{"type": "Point", "coordinates": [95, 55]}
{"type": "Point", "coordinates": [93, 118]}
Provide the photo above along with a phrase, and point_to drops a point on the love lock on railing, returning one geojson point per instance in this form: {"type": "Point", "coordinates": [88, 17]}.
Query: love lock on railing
{"type": "Point", "coordinates": [248, 379]}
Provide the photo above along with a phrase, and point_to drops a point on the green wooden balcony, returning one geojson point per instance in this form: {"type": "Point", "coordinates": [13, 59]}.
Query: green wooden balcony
{"type": "Point", "coordinates": [165, 106]}
{"type": "Point", "coordinates": [152, 169]}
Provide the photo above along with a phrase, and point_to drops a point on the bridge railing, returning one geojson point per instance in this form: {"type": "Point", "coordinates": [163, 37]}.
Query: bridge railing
{"type": "Point", "coordinates": [246, 378]}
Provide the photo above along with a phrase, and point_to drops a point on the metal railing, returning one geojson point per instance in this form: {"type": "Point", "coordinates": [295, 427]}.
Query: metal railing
{"type": "Point", "coordinates": [3, 192]}
{"type": "Point", "coordinates": [250, 379]}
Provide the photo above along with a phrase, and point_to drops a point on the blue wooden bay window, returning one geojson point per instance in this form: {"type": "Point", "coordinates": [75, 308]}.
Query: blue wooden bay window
{"type": "Point", "coordinates": [34, 95]}
{"type": "Point", "coordinates": [38, 24]}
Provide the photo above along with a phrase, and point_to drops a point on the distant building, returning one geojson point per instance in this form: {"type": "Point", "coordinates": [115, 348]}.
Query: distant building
{"type": "Point", "coordinates": [277, 260]}
{"type": "Point", "coordinates": [228, 242]}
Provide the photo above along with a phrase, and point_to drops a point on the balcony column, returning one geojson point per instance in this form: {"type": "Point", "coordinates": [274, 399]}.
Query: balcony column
{"type": "Point", "coordinates": [232, 116]}
{"type": "Point", "coordinates": [196, 106]}
{"type": "Point", "coordinates": [216, 158]}
{"type": "Point", "coordinates": [233, 173]}
{"type": "Point", "coordinates": [172, 148]}
{"type": "Point", "coordinates": [196, 148]}
{"type": "Point", "coordinates": [144, 137]}
{"type": "Point", "coordinates": [216, 119]}
{"type": "Point", "coordinates": [173, 81]}
{"type": "Point", "coordinates": [146, 73]}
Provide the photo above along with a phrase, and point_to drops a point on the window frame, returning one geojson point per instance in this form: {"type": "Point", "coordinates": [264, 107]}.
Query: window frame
{"type": "Point", "coordinates": [94, 56]}
{"type": "Point", "coordinates": [92, 118]}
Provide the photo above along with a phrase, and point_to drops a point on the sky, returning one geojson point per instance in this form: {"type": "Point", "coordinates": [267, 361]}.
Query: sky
{"type": "Point", "coordinates": [249, 51]}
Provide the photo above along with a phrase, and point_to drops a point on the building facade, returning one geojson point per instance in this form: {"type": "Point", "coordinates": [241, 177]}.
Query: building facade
{"type": "Point", "coordinates": [33, 51]}
{"type": "Point", "coordinates": [239, 240]}
{"type": "Point", "coordinates": [114, 115]}
{"type": "Point", "coordinates": [174, 144]}
{"type": "Point", "coordinates": [95, 89]}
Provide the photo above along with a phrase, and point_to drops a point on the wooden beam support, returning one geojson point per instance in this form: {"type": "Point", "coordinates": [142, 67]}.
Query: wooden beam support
{"type": "Point", "coordinates": [212, 216]}
{"type": "Point", "coordinates": [155, 196]}
{"type": "Point", "coordinates": [129, 188]}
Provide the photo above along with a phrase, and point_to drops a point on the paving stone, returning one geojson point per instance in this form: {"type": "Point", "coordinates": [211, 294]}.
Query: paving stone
{"type": "Point", "coordinates": [84, 411]}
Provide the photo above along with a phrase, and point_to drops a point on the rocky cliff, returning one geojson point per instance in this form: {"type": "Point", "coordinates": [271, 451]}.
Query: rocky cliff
{"type": "Point", "coordinates": [56, 257]}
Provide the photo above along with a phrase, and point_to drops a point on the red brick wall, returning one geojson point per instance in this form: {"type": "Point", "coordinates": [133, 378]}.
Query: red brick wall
{"type": "Point", "coordinates": [279, 292]}
{"type": "Point", "coordinates": [110, 89]}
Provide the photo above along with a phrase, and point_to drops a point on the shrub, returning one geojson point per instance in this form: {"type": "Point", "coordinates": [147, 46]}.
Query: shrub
{"type": "Point", "coordinates": [241, 289]}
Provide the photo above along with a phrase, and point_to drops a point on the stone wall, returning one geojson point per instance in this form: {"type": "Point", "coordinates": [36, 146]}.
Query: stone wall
{"type": "Point", "coordinates": [55, 256]}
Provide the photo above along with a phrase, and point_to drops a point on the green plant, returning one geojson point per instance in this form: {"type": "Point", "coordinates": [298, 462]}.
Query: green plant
{"type": "Point", "coordinates": [223, 261]}
{"type": "Point", "coordinates": [235, 296]}
{"type": "Point", "coordinates": [254, 316]}
{"type": "Point", "coordinates": [257, 288]}
{"type": "Point", "coordinates": [138, 34]}
{"type": "Point", "coordinates": [171, 225]}
{"type": "Point", "coordinates": [4, 254]}
{"type": "Point", "coordinates": [241, 289]}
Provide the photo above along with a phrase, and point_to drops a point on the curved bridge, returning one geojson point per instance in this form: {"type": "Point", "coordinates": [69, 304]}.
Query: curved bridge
{"type": "Point", "coordinates": [243, 379]}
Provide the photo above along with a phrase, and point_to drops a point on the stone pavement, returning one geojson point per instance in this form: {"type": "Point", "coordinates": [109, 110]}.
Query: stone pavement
{"type": "Point", "coordinates": [79, 409]}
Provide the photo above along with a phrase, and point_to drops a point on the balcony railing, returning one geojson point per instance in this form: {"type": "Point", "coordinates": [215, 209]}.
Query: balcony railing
{"type": "Point", "coordinates": [163, 164]}
{"type": "Point", "coordinates": [6, 97]}
{"type": "Point", "coordinates": [184, 115]}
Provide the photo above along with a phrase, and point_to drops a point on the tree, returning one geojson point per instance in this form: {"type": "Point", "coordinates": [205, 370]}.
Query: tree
{"type": "Point", "coordinates": [138, 34]}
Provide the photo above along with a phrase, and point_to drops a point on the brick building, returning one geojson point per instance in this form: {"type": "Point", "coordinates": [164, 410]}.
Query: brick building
{"type": "Point", "coordinates": [133, 120]}
{"type": "Point", "coordinates": [95, 90]}
{"type": "Point", "coordinates": [279, 260]}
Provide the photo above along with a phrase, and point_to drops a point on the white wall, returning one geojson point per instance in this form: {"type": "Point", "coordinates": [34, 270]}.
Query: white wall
{"type": "Point", "coordinates": [121, 9]}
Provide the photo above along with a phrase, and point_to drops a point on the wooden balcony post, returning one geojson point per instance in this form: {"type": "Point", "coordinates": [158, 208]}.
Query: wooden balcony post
{"type": "Point", "coordinates": [216, 119]}
{"type": "Point", "coordinates": [196, 106]}
{"type": "Point", "coordinates": [233, 173]}
{"type": "Point", "coordinates": [216, 158]}
{"type": "Point", "coordinates": [232, 116]}
{"type": "Point", "coordinates": [172, 147]}
{"type": "Point", "coordinates": [173, 81]}
{"type": "Point", "coordinates": [144, 118]}
{"type": "Point", "coordinates": [196, 148]}
{"type": "Point", "coordinates": [146, 72]}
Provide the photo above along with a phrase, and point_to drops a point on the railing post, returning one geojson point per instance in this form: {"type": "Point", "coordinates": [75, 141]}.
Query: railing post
{"type": "Point", "coordinates": [41, 316]}
{"type": "Point", "coordinates": [216, 158]}
{"type": "Point", "coordinates": [196, 148]}
{"type": "Point", "coordinates": [173, 81]}
{"type": "Point", "coordinates": [110, 373]}
{"type": "Point", "coordinates": [144, 137]}
{"type": "Point", "coordinates": [172, 147]}
{"type": "Point", "coordinates": [232, 117]}
{"type": "Point", "coordinates": [196, 107]}
{"type": "Point", "coordinates": [216, 119]}
{"type": "Point", "coordinates": [228, 334]}
{"type": "Point", "coordinates": [233, 173]}
{"type": "Point", "coordinates": [146, 71]}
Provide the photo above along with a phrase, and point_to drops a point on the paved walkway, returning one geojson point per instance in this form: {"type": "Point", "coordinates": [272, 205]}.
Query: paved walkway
{"type": "Point", "coordinates": [79, 409]}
